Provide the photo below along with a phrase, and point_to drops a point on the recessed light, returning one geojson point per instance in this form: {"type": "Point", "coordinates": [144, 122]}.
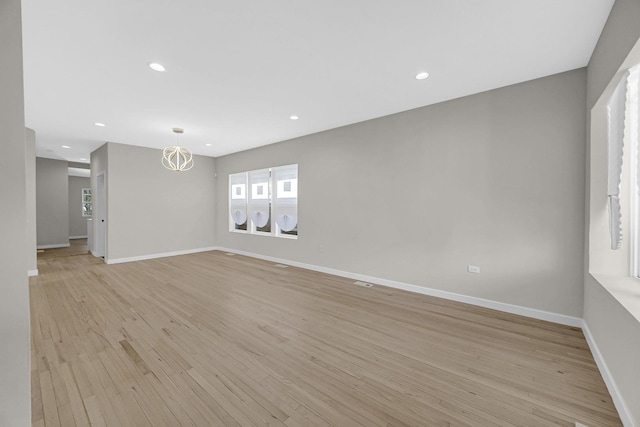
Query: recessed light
{"type": "Point", "coordinates": [156, 67]}
{"type": "Point", "coordinates": [65, 146]}
{"type": "Point", "coordinates": [422, 76]}
{"type": "Point", "coordinates": [82, 158]}
{"type": "Point", "coordinates": [99, 124]}
{"type": "Point", "coordinates": [208, 145]}
{"type": "Point", "coordinates": [294, 117]}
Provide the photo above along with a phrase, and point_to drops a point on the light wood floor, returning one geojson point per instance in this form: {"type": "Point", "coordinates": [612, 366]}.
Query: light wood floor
{"type": "Point", "coordinates": [213, 339]}
{"type": "Point", "coordinates": [76, 247]}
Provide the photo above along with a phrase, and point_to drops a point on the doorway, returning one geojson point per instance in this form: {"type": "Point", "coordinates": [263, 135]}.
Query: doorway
{"type": "Point", "coordinates": [99, 248]}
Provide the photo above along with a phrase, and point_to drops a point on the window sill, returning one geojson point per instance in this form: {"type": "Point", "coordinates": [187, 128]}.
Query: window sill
{"type": "Point", "coordinates": [265, 234]}
{"type": "Point", "coordinates": [624, 289]}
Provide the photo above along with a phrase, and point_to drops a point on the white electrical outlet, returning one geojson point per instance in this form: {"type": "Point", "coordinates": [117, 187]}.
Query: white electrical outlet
{"type": "Point", "coordinates": [473, 269]}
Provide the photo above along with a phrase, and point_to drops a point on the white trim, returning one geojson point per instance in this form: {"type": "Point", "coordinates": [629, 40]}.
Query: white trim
{"type": "Point", "coordinates": [633, 220]}
{"type": "Point", "coordinates": [160, 255]}
{"type": "Point", "coordinates": [508, 308]}
{"type": "Point", "coordinates": [625, 415]}
{"type": "Point", "coordinates": [631, 125]}
{"type": "Point", "coordinates": [60, 245]}
{"type": "Point", "coordinates": [32, 272]}
{"type": "Point", "coordinates": [77, 237]}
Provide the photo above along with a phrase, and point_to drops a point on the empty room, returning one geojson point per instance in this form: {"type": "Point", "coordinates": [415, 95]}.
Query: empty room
{"type": "Point", "coordinates": [364, 213]}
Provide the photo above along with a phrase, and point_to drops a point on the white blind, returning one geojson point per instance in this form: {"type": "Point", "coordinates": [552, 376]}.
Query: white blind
{"type": "Point", "coordinates": [285, 199]}
{"type": "Point", "coordinates": [633, 107]}
{"type": "Point", "coordinates": [258, 202]}
{"type": "Point", "coordinates": [238, 197]}
{"type": "Point", "coordinates": [616, 109]}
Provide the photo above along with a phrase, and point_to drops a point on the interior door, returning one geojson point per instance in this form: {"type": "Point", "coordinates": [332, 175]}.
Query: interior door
{"type": "Point", "coordinates": [100, 218]}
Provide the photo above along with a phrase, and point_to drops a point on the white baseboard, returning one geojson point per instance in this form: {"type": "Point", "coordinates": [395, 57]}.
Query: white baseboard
{"type": "Point", "coordinates": [625, 415]}
{"type": "Point", "coordinates": [32, 272]}
{"type": "Point", "coordinates": [77, 237]}
{"type": "Point", "coordinates": [501, 306]}
{"type": "Point", "coordinates": [59, 245]}
{"type": "Point", "coordinates": [160, 255]}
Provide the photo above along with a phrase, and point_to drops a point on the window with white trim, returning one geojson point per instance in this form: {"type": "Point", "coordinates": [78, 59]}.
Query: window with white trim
{"type": "Point", "coordinates": [623, 117]}
{"type": "Point", "coordinates": [87, 203]}
{"type": "Point", "coordinates": [265, 202]}
{"type": "Point", "coordinates": [632, 134]}
{"type": "Point", "coordinates": [238, 201]}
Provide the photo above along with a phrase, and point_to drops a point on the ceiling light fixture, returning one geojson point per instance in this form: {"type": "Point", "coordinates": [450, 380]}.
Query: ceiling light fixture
{"type": "Point", "coordinates": [176, 158]}
{"type": "Point", "coordinates": [208, 145]}
{"type": "Point", "coordinates": [294, 117]}
{"type": "Point", "coordinates": [157, 67]}
{"type": "Point", "coordinates": [65, 146]}
{"type": "Point", "coordinates": [99, 124]}
{"type": "Point", "coordinates": [422, 76]}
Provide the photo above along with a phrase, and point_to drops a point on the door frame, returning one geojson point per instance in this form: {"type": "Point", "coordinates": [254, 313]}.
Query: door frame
{"type": "Point", "coordinates": [100, 217]}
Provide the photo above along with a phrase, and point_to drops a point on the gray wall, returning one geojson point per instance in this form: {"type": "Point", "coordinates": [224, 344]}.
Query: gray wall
{"type": "Point", "coordinates": [619, 35]}
{"type": "Point", "coordinates": [77, 222]}
{"type": "Point", "coordinates": [615, 331]}
{"type": "Point", "coordinates": [494, 180]}
{"type": "Point", "coordinates": [30, 180]}
{"type": "Point", "coordinates": [15, 399]}
{"type": "Point", "coordinates": [152, 210]}
{"type": "Point", "coordinates": [52, 202]}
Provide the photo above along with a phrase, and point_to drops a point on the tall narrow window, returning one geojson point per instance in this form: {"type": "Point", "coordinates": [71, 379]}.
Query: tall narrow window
{"type": "Point", "coordinates": [285, 202]}
{"type": "Point", "coordinates": [260, 200]}
{"type": "Point", "coordinates": [616, 122]}
{"type": "Point", "coordinates": [87, 204]}
{"type": "Point", "coordinates": [238, 200]}
{"type": "Point", "coordinates": [623, 121]}
{"type": "Point", "coordinates": [632, 140]}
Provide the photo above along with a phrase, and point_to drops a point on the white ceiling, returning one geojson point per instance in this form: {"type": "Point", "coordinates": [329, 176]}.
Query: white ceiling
{"type": "Point", "coordinates": [236, 70]}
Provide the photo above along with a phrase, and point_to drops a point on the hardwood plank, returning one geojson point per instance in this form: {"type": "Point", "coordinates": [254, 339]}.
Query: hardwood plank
{"type": "Point", "coordinates": [101, 409]}
{"type": "Point", "coordinates": [66, 415]}
{"type": "Point", "coordinates": [75, 400]}
{"type": "Point", "coordinates": [93, 410]}
{"type": "Point", "coordinates": [51, 416]}
{"type": "Point", "coordinates": [37, 411]}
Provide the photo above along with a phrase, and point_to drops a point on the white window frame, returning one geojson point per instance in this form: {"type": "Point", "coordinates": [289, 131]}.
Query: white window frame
{"type": "Point", "coordinates": [632, 140]}
{"type": "Point", "coordinates": [274, 207]}
{"type": "Point", "coordinates": [85, 215]}
{"type": "Point", "coordinates": [238, 205]}
{"type": "Point", "coordinates": [634, 224]}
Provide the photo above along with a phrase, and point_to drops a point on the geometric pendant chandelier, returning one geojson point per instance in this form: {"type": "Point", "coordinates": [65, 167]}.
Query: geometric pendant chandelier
{"type": "Point", "coordinates": [177, 158]}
